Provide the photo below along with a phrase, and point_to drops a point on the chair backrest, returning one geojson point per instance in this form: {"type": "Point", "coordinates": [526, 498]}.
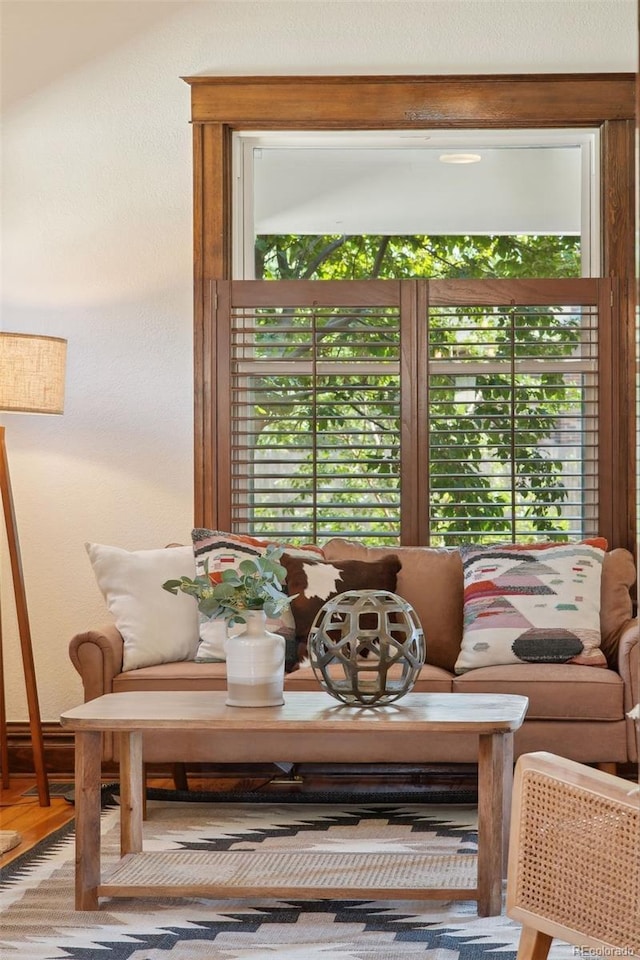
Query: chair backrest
{"type": "Point", "coordinates": [574, 857]}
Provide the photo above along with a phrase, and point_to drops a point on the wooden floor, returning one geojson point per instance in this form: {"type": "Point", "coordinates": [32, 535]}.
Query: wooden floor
{"type": "Point", "coordinates": [34, 823]}
{"type": "Point", "coordinates": [27, 817]}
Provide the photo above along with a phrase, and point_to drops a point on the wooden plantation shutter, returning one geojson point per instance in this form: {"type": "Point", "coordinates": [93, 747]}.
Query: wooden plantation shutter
{"type": "Point", "coordinates": [313, 410]}
{"type": "Point", "coordinates": [411, 411]}
{"type": "Point", "coordinates": [509, 361]}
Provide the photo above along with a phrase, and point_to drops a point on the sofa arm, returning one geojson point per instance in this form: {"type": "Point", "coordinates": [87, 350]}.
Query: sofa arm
{"type": "Point", "coordinates": [629, 670]}
{"type": "Point", "coordinates": [97, 656]}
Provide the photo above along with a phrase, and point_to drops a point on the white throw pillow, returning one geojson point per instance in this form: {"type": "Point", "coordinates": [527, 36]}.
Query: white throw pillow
{"type": "Point", "coordinates": [157, 627]}
{"type": "Point", "coordinates": [213, 642]}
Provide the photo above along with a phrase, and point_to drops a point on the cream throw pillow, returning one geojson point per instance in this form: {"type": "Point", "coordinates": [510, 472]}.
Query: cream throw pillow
{"type": "Point", "coordinates": [157, 627]}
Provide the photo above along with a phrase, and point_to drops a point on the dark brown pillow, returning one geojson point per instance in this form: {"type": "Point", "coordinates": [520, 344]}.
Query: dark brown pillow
{"type": "Point", "coordinates": [316, 581]}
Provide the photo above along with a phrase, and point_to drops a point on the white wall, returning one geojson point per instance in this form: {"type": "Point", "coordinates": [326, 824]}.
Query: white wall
{"type": "Point", "coordinates": [96, 230]}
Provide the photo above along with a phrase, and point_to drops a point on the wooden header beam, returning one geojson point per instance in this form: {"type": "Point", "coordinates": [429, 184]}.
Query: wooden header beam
{"type": "Point", "coordinates": [355, 102]}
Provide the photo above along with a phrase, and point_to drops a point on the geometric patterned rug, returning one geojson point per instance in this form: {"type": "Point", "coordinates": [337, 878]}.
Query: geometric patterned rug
{"type": "Point", "coordinates": [38, 920]}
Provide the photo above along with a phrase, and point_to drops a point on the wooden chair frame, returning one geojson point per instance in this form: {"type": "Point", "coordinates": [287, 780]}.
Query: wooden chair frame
{"type": "Point", "coordinates": [574, 859]}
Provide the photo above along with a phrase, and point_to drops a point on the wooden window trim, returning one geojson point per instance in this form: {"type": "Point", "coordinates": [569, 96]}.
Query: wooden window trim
{"type": "Point", "coordinates": [222, 105]}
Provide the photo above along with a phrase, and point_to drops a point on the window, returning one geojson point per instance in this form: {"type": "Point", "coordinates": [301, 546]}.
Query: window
{"type": "Point", "coordinates": [433, 412]}
{"type": "Point", "coordinates": [300, 186]}
{"type": "Point", "coordinates": [223, 106]}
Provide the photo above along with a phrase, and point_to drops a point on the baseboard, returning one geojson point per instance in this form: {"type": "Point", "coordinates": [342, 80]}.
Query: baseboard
{"type": "Point", "coordinates": [59, 754]}
{"type": "Point", "coordinates": [58, 750]}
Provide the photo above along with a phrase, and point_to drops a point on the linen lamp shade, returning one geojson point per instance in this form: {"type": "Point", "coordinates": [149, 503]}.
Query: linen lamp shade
{"type": "Point", "coordinates": [32, 371]}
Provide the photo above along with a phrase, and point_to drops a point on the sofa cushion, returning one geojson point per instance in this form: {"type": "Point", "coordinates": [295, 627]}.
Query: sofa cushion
{"type": "Point", "coordinates": [556, 691]}
{"type": "Point", "coordinates": [430, 579]}
{"type": "Point", "coordinates": [532, 603]}
{"type": "Point", "coordinates": [430, 680]}
{"type": "Point", "coordinates": [185, 675]}
{"type": "Point", "coordinates": [189, 675]}
{"type": "Point", "coordinates": [156, 626]}
{"type": "Point", "coordinates": [312, 582]}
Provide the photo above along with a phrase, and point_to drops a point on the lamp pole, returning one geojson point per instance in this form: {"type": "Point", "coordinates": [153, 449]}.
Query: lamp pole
{"type": "Point", "coordinates": [26, 648]}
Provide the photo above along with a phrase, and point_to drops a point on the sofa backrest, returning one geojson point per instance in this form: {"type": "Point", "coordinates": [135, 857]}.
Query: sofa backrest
{"type": "Point", "coordinates": [431, 580]}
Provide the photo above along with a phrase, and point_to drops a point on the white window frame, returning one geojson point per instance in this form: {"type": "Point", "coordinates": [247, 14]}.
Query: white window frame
{"type": "Point", "coordinates": [247, 141]}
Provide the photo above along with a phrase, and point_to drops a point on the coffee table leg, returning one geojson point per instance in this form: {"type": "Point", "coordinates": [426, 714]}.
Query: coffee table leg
{"type": "Point", "coordinates": [87, 814]}
{"type": "Point", "coordinates": [507, 792]}
{"type": "Point", "coordinates": [131, 792]}
{"type": "Point", "coordinates": [491, 779]}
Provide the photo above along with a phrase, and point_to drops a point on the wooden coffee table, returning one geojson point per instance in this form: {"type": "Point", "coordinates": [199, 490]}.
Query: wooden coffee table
{"type": "Point", "coordinates": [309, 727]}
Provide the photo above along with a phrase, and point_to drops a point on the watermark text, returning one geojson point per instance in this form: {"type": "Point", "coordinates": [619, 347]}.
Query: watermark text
{"type": "Point", "coordinates": [594, 952]}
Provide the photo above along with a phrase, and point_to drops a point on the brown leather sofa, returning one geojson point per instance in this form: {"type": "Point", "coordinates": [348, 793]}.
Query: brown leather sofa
{"type": "Point", "coordinates": [575, 711]}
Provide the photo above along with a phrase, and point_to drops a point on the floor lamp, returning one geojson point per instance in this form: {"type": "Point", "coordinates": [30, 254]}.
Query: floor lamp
{"type": "Point", "coordinates": [31, 381]}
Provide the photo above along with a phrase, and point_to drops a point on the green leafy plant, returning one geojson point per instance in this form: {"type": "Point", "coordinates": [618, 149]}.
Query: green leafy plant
{"type": "Point", "coordinates": [255, 585]}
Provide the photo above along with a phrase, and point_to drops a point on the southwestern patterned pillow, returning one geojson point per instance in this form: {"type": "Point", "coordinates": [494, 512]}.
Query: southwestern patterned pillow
{"type": "Point", "coordinates": [536, 603]}
{"type": "Point", "coordinates": [217, 551]}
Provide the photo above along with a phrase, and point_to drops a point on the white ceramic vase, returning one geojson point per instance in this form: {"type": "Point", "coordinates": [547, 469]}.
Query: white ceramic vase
{"type": "Point", "coordinates": [255, 665]}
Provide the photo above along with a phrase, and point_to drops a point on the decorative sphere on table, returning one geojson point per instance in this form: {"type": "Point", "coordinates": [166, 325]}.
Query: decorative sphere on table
{"type": "Point", "coordinates": [366, 647]}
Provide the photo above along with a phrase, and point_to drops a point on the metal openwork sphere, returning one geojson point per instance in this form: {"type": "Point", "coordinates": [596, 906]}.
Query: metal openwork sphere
{"type": "Point", "coordinates": [366, 647]}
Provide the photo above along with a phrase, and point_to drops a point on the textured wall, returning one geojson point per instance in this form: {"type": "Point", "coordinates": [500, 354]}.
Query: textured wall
{"type": "Point", "coordinates": [96, 231]}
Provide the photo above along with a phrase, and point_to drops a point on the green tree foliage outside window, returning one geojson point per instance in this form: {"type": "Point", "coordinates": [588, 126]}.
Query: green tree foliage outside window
{"type": "Point", "coordinates": [476, 462]}
{"type": "Point", "coordinates": [293, 257]}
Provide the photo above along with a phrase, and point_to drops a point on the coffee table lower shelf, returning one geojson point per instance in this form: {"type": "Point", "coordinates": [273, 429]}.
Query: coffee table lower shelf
{"type": "Point", "coordinates": [303, 876]}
